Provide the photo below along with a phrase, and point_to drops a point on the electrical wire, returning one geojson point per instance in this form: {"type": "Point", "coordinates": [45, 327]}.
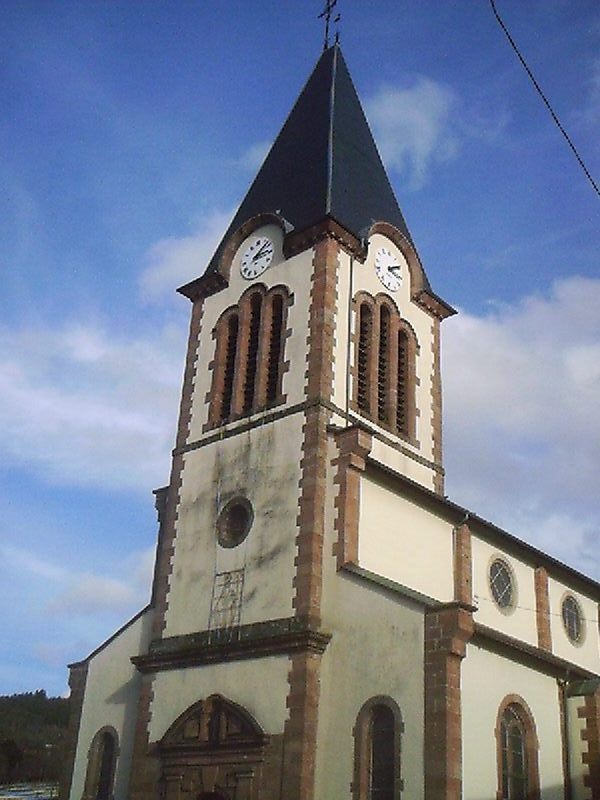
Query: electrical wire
{"type": "Point", "coordinates": [545, 99]}
{"type": "Point", "coordinates": [478, 598]}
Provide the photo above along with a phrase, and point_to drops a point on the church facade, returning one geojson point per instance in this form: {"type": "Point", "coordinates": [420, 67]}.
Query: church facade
{"type": "Point", "coordinates": [324, 623]}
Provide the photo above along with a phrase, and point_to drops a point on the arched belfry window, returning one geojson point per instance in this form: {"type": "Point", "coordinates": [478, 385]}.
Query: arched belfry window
{"type": "Point", "coordinates": [517, 751]}
{"type": "Point", "coordinates": [377, 750]}
{"type": "Point", "coordinates": [248, 366]}
{"type": "Point", "coordinates": [101, 768]}
{"type": "Point", "coordinates": [385, 378]}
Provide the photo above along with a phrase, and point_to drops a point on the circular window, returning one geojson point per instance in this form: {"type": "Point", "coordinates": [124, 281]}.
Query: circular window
{"type": "Point", "coordinates": [234, 522]}
{"type": "Point", "coordinates": [572, 618]}
{"type": "Point", "coordinates": [502, 584]}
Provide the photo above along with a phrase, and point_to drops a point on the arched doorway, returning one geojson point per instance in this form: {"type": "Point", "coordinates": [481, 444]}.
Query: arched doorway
{"type": "Point", "coordinates": [213, 751]}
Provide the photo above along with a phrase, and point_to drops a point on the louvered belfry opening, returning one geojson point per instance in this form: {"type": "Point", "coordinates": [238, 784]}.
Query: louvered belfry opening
{"type": "Point", "coordinates": [229, 366]}
{"type": "Point", "coordinates": [385, 365]}
{"type": "Point", "coordinates": [275, 348]}
{"type": "Point", "coordinates": [364, 357]}
{"type": "Point", "coordinates": [402, 388]}
{"type": "Point", "coordinates": [256, 302]}
{"type": "Point", "coordinates": [249, 363]}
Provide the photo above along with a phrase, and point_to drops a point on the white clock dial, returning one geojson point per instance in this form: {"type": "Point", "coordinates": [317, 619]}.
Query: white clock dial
{"type": "Point", "coordinates": [256, 257]}
{"type": "Point", "coordinates": [388, 268]}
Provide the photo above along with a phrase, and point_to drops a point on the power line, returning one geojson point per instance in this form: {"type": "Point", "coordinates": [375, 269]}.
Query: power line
{"type": "Point", "coordinates": [545, 99]}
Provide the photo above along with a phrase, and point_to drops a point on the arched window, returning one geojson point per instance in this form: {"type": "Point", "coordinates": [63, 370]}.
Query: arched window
{"type": "Point", "coordinates": [275, 349]}
{"type": "Point", "coordinates": [248, 366]}
{"type": "Point", "coordinates": [517, 751]}
{"type": "Point", "coordinates": [363, 357]}
{"type": "Point", "coordinates": [385, 366]}
{"type": "Point", "coordinates": [377, 751]}
{"type": "Point", "coordinates": [102, 760]}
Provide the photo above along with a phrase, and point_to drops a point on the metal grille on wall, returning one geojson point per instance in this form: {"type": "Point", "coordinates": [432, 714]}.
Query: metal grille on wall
{"type": "Point", "coordinates": [226, 601]}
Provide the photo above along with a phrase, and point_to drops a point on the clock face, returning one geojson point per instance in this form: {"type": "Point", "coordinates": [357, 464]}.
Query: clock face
{"type": "Point", "coordinates": [256, 257]}
{"type": "Point", "coordinates": [387, 268]}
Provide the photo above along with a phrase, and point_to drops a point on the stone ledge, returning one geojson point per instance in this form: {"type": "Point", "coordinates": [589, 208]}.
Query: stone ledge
{"type": "Point", "coordinates": [257, 640]}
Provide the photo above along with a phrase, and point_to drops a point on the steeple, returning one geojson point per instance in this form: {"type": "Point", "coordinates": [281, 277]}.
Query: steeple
{"type": "Point", "coordinates": [324, 162]}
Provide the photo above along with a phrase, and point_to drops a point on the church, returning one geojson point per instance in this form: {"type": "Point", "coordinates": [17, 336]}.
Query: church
{"type": "Point", "coordinates": [324, 622]}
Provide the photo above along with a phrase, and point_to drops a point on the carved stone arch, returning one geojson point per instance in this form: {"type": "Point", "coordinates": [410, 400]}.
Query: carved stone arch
{"type": "Point", "coordinates": [363, 746]}
{"type": "Point", "coordinates": [214, 722]}
{"type": "Point", "coordinates": [101, 765]}
{"type": "Point", "coordinates": [418, 281]}
{"type": "Point", "coordinates": [236, 238]}
{"type": "Point", "coordinates": [214, 750]}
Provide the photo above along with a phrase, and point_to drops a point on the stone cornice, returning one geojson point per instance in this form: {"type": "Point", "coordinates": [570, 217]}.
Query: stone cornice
{"type": "Point", "coordinates": [553, 664]}
{"type": "Point", "coordinates": [257, 640]}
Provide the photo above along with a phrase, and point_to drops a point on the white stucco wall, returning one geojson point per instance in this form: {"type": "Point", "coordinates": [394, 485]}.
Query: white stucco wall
{"type": "Point", "coordinates": [586, 652]}
{"type": "Point", "coordinates": [262, 464]}
{"type": "Point", "coordinates": [111, 696]}
{"type": "Point", "coordinates": [404, 542]}
{"type": "Point", "coordinates": [259, 686]}
{"type": "Point", "coordinates": [486, 680]}
{"type": "Point", "coordinates": [376, 649]}
{"type": "Point", "coordinates": [519, 621]}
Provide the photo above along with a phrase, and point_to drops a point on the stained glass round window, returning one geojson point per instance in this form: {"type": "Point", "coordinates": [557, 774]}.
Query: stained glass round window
{"type": "Point", "coordinates": [234, 522]}
{"type": "Point", "coordinates": [502, 584]}
{"type": "Point", "coordinates": [572, 618]}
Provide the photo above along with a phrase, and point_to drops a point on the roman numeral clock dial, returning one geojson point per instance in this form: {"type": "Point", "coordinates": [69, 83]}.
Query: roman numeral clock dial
{"type": "Point", "coordinates": [256, 258]}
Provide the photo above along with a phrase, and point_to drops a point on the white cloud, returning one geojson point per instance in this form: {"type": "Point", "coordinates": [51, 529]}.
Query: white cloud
{"type": "Point", "coordinates": [522, 393]}
{"type": "Point", "coordinates": [84, 407]}
{"type": "Point", "coordinates": [176, 260]}
{"type": "Point", "coordinates": [64, 591]}
{"type": "Point", "coordinates": [426, 123]}
{"type": "Point", "coordinates": [414, 126]}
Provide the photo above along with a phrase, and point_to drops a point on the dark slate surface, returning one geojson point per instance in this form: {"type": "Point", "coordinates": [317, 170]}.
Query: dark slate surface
{"type": "Point", "coordinates": [323, 163]}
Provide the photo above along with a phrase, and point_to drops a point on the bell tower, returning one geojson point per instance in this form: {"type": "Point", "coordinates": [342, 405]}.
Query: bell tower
{"type": "Point", "coordinates": [314, 341]}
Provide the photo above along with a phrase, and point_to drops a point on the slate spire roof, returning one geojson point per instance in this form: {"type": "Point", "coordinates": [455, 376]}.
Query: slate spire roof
{"type": "Point", "coordinates": [324, 162]}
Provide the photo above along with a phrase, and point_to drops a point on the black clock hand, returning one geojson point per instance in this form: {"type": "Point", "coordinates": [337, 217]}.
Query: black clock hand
{"type": "Point", "coordinates": [260, 252]}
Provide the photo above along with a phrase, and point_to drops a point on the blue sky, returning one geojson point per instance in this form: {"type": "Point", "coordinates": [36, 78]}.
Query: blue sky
{"type": "Point", "coordinates": [129, 133]}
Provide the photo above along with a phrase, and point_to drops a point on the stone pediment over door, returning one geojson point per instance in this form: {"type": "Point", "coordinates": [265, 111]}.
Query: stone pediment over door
{"type": "Point", "coordinates": [214, 749]}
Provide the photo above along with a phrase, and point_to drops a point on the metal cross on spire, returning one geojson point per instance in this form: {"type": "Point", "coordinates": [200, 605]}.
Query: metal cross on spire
{"type": "Point", "coordinates": [326, 15]}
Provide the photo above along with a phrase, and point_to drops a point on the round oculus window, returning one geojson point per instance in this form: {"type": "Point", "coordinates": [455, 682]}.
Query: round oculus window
{"type": "Point", "coordinates": [234, 522]}
{"type": "Point", "coordinates": [572, 618]}
{"type": "Point", "coordinates": [502, 584]}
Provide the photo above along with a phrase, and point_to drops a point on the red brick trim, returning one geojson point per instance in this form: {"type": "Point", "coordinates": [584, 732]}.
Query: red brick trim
{"type": "Point", "coordinates": [300, 731]}
{"type": "Point", "coordinates": [77, 682]}
{"type": "Point", "coordinates": [354, 445]}
{"type": "Point", "coordinates": [447, 632]}
{"type": "Point", "coordinates": [590, 712]}
{"type": "Point", "coordinates": [303, 698]}
{"type": "Point", "coordinates": [531, 745]}
{"type": "Point", "coordinates": [542, 609]}
{"type": "Point", "coordinates": [463, 567]}
{"type": "Point", "coordinates": [299, 241]}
